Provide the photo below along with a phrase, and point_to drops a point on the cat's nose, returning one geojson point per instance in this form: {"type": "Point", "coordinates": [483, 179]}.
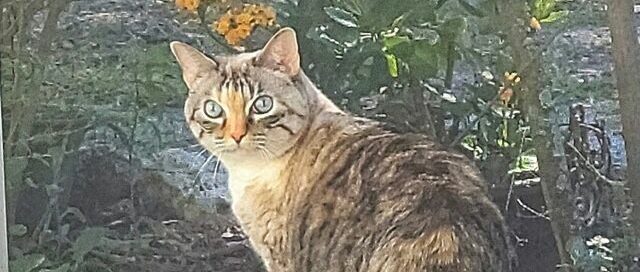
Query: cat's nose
{"type": "Point", "coordinates": [238, 135]}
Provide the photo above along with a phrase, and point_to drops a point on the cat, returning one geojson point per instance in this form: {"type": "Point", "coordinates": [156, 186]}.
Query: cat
{"type": "Point", "coordinates": [319, 189]}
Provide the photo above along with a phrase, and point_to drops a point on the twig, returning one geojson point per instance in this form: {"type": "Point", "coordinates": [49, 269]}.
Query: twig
{"type": "Point", "coordinates": [131, 149]}
{"type": "Point", "coordinates": [513, 176]}
{"type": "Point", "coordinates": [531, 210]}
{"type": "Point", "coordinates": [592, 168]}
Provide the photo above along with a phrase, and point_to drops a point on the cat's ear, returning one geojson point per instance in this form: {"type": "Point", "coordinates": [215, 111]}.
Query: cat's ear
{"type": "Point", "coordinates": [281, 53]}
{"type": "Point", "coordinates": [194, 64]}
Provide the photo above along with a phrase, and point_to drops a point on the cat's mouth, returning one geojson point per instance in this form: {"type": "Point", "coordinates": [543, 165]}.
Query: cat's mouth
{"type": "Point", "coordinates": [242, 147]}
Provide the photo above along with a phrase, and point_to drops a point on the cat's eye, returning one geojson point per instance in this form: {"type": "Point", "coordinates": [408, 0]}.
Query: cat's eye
{"type": "Point", "coordinates": [212, 109]}
{"type": "Point", "coordinates": [263, 104]}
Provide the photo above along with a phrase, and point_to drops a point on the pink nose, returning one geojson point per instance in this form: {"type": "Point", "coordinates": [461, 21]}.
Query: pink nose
{"type": "Point", "coordinates": [238, 135]}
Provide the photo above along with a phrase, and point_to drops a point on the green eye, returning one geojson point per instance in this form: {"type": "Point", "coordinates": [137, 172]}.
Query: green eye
{"type": "Point", "coordinates": [212, 109]}
{"type": "Point", "coordinates": [263, 104]}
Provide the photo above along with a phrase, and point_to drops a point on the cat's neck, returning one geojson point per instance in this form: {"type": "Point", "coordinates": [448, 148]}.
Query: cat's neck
{"type": "Point", "coordinates": [246, 172]}
{"type": "Point", "coordinates": [316, 98]}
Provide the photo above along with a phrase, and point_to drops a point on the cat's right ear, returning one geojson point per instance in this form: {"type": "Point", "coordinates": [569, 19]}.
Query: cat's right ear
{"type": "Point", "coordinates": [194, 64]}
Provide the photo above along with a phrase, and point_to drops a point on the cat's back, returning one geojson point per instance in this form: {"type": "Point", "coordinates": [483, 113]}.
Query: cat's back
{"type": "Point", "coordinates": [367, 199]}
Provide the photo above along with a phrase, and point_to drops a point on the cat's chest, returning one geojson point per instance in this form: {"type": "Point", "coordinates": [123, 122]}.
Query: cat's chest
{"type": "Point", "coordinates": [259, 204]}
{"type": "Point", "coordinates": [267, 177]}
{"type": "Point", "coordinates": [254, 189]}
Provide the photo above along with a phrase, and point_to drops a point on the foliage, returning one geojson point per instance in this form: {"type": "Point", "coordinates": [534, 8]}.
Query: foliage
{"type": "Point", "coordinates": [546, 11]}
{"type": "Point", "coordinates": [73, 258]}
{"type": "Point", "coordinates": [439, 67]}
{"type": "Point", "coordinates": [424, 66]}
{"type": "Point", "coordinates": [600, 254]}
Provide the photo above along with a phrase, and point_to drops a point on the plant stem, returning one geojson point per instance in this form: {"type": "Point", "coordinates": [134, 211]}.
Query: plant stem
{"type": "Point", "coordinates": [537, 116]}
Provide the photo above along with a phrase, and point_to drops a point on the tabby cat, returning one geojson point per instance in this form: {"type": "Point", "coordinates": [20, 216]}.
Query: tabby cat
{"type": "Point", "coordinates": [318, 189]}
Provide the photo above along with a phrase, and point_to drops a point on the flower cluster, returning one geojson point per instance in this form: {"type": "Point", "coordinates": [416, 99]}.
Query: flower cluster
{"type": "Point", "coordinates": [190, 5]}
{"type": "Point", "coordinates": [238, 23]}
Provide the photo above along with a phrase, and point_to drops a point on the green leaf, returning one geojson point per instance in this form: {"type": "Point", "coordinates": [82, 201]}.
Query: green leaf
{"type": "Point", "coordinates": [421, 14]}
{"type": "Point", "coordinates": [554, 16]}
{"type": "Point", "coordinates": [14, 168]}
{"type": "Point", "coordinates": [460, 109]}
{"type": "Point", "coordinates": [421, 56]}
{"type": "Point", "coordinates": [57, 156]}
{"type": "Point", "coordinates": [341, 16]}
{"type": "Point", "coordinates": [89, 239]}
{"type": "Point", "coordinates": [542, 8]}
{"type": "Point", "coordinates": [378, 15]}
{"type": "Point", "coordinates": [26, 263]}
{"type": "Point", "coordinates": [353, 7]}
{"type": "Point", "coordinates": [17, 230]}
{"type": "Point", "coordinates": [440, 3]}
{"type": "Point", "coordinates": [426, 52]}
{"type": "Point", "coordinates": [392, 65]}
{"type": "Point", "coordinates": [578, 248]}
{"type": "Point", "coordinates": [471, 9]}
{"type": "Point", "coordinates": [453, 28]}
{"type": "Point", "coordinates": [63, 268]}
{"type": "Point", "coordinates": [391, 42]}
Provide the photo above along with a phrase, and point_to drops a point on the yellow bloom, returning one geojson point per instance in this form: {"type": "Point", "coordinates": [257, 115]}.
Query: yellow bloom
{"type": "Point", "coordinates": [535, 24]}
{"type": "Point", "coordinates": [513, 77]}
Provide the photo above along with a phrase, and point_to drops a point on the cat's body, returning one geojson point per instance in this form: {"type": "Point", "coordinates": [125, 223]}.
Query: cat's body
{"type": "Point", "coordinates": [317, 189]}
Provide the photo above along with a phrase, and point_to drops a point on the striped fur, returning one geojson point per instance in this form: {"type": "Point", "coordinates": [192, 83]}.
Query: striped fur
{"type": "Point", "coordinates": [317, 189]}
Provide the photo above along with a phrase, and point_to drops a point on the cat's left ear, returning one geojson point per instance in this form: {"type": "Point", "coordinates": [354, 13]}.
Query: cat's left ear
{"type": "Point", "coordinates": [281, 53]}
{"type": "Point", "coordinates": [194, 63]}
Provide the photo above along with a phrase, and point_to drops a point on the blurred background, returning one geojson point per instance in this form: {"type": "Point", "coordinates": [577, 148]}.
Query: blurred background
{"type": "Point", "coordinates": [102, 173]}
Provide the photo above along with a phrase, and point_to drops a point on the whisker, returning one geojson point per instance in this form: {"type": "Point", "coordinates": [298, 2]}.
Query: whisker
{"type": "Point", "coordinates": [201, 152]}
{"type": "Point", "coordinates": [216, 167]}
{"type": "Point", "coordinates": [195, 180]}
{"type": "Point", "coordinates": [267, 152]}
{"type": "Point", "coordinates": [263, 154]}
{"type": "Point", "coordinates": [258, 141]}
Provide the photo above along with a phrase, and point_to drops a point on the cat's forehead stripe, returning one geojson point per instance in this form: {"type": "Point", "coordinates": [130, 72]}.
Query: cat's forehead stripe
{"type": "Point", "coordinates": [238, 82]}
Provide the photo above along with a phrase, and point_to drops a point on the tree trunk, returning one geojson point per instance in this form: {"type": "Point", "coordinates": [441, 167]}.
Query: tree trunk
{"type": "Point", "coordinates": [4, 238]}
{"type": "Point", "coordinates": [625, 54]}
{"type": "Point", "coordinates": [528, 66]}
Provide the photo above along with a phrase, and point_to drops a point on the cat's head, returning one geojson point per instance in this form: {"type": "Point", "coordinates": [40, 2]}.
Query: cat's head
{"type": "Point", "coordinates": [246, 106]}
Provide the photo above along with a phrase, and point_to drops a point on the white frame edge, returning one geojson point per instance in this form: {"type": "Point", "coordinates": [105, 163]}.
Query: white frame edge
{"type": "Point", "coordinates": [4, 238]}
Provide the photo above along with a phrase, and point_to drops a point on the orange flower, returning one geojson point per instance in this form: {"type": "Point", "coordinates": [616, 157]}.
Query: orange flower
{"type": "Point", "coordinates": [238, 23]}
{"type": "Point", "coordinates": [223, 24]}
{"type": "Point", "coordinates": [535, 24]}
{"type": "Point", "coordinates": [238, 34]}
{"type": "Point", "coordinates": [265, 16]}
{"type": "Point", "coordinates": [244, 18]}
{"type": "Point", "coordinates": [190, 5]}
